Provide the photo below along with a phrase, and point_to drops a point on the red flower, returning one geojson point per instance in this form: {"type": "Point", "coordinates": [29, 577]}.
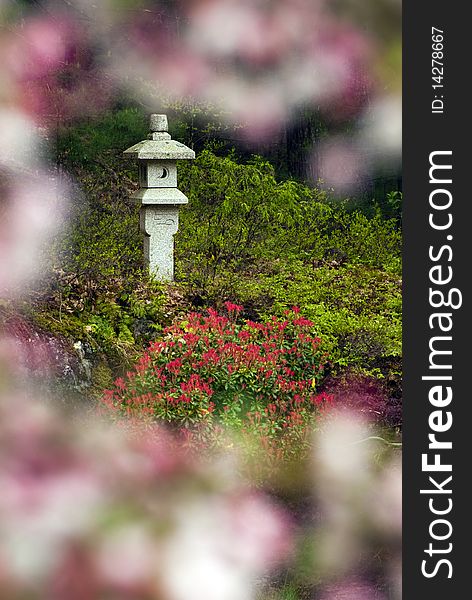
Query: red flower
{"type": "Point", "coordinates": [174, 366]}
{"type": "Point", "coordinates": [233, 308]}
{"type": "Point", "coordinates": [120, 383]}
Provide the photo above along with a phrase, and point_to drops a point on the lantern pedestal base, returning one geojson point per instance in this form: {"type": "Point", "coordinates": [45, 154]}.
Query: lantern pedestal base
{"type": "Point", "coordinates": [159, 225]}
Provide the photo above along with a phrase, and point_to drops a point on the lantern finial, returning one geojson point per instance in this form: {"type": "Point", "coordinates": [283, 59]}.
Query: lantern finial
{"type": "Point", "coordinates": [158, 123]}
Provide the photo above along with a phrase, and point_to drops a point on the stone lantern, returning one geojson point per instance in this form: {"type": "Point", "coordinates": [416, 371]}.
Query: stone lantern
{"type": "Point", "coordinates": [158, 195]}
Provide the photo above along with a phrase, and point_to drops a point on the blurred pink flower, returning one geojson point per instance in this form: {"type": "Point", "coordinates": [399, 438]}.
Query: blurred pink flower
{"type": "Point", "coordinates": [359, 502]}
{"type": "Point", "coordinates": [22, 148]}
{"type": "Point", "coordinates": [347, 53]}
{"type": "Point", "coordinates": [33, 208]}
{"type": "Point", "coordinates": [259, 35]}
{"type": "Point", "coordinates": [259, 110]}
{"type": "Point", "coordinates": [126, 559]}
{"type": "Point", "coordinates": [341, 164]}
{"type": "Point", "coordinates": [53, 72]}
{"type": "Point", "coordinates": [182, 73]}
{"type": "Point", "coordinates": [381, 130]}
{"type": "Point", "coordinates": [40, 46]}
{"type": "Point", "coordinates": [29, 352]}
{"type": "Point", "coordinates": [224, 27]}
{"type": "Point", "coordinates": [83, 501]}
{"type": "Point", "coordinates": [344, 162]}
{"type": "Point", "coordinates": [260, 531]}
{"type": "Point", "coordinates": [223, 543]}
{"type": "Point", "coordinates": [48, 493]}
{"type": "Point", "coordinates": [386, 500]}
{"type": "Point", "coordinates": [352, 590]}
{"type": "Point", "coordinates": [257, 62]}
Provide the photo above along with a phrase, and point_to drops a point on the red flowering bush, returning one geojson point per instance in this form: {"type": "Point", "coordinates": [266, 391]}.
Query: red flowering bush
{"type": "Point", "coordinates": [217, 368]}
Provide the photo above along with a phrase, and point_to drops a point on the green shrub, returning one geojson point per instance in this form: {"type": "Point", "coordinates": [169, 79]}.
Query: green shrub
{"type": "Point", "coordinates": [256, 376]}
{"type": "Point", "coordinates": [241, 213]}
{"type": "Point", "coordinates": [245, 237]}
{"type": "Point", "coordinates": [92, 143]}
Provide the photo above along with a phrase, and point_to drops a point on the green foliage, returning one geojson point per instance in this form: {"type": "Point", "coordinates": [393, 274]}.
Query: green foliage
{"type": "Point", "coordinates": [99, 291]}
{"type": "Point", "coordinates": [357, 309]}
{"type": "Point", "coordinates": [245, 237]}
{"type": "Point", "coordinates": [127, 315]}
{"type": "Point", "coordinates": [240, 214]}
{"type": "Point", "coordinates": [89, 144]}
{"type": "Point", "coordinates": [259, 378]}
{"type": "Point", "coordinates": [198, 125]}
{"type": "Point", "coordinates": [395, 202]}
{"type": "Point", "coordinates": [100, 247]}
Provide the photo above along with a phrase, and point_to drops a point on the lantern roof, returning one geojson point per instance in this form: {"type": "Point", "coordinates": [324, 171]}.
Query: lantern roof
{"type": "Point", "coordinates": [167, 196]}
{"type": "Point", "coordinates": [159, 146]}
